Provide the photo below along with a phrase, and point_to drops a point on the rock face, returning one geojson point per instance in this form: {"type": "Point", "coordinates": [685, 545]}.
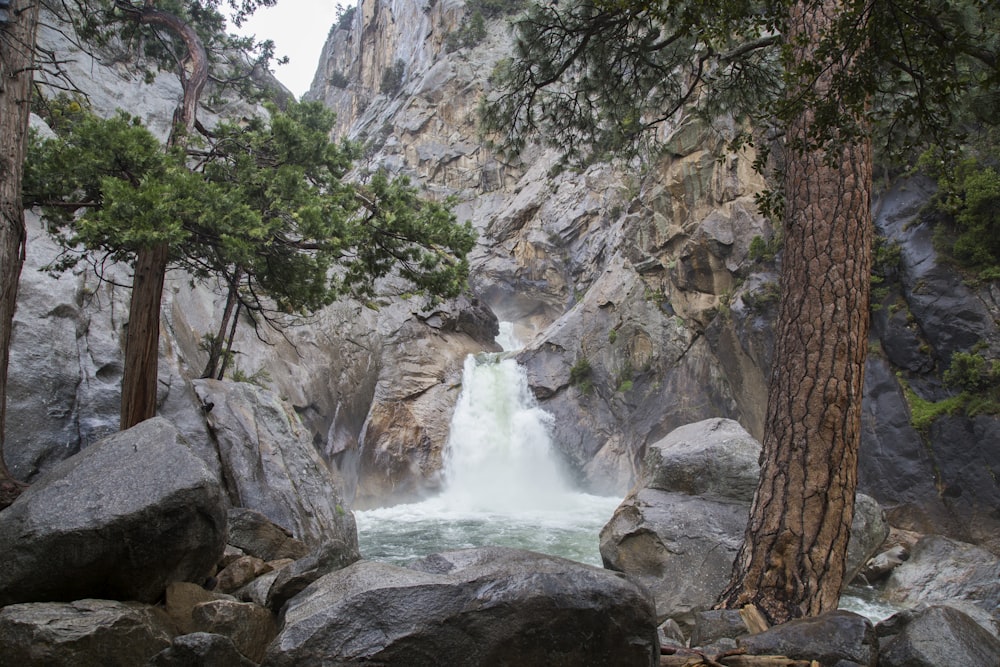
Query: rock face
{"type": "Point", "coordinates": [679, 530]}
{"type": "Point", "coordinates": [481, 606]}
{"type": "Point", "coordinates": [119, 520]}
{"type": "Point", "coordinates": [270, 464]}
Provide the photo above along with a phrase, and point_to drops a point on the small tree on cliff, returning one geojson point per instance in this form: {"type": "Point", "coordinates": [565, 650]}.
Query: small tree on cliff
{"type": "Point", "coordinates": [824, 77]}
{"type": "Point", "coordinates": [292, 229]}
{"type": "Point", "coordinates": [19, 59]}
{"type": "Point", "coordinates": [265, 209]}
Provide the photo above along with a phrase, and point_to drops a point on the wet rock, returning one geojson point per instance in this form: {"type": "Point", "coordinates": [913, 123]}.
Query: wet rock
{"type": "Point", "coordinates": [85, 633]}
{"type": "Point", "coordinates": [201, 649]}
{"type": "Point", "coordinates": [120, 520]}
{"type": "Point", "coordinates": [936, 636]}
{"type": "Point", "coordinates": [834, 639]}
{"type": "Point", "coordinates": [180, 600]}
{"type": "Point", "coordinates": [481, 606]}
{"type": "Point", "coordinates": [715, 624]}
{"type": "Point", "coordinates": [240, 572]}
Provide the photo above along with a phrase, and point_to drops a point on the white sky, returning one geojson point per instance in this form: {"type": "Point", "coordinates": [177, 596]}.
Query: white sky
{"type": "Point", "coordinates": [298, 29]}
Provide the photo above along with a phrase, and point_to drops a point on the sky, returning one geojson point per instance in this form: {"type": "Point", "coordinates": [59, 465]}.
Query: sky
{"type": "Point", "coordinates": [298, 29]}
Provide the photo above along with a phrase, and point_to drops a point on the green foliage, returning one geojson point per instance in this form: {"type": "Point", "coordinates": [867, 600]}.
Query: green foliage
{"type": "Point", "coordinates": [260, 377]}
{"type": "Point", "coordinates": [595, 76]}
{"type": "Point", "coordinates": [266, 201]}
{"type": "Point", "coordinates": [612, 336]}
{"type": "Point", "coordinates": [392, 78]}
{"type": "Point", "coordinates": [969, 198]}
{"type": "Point", "coordinates": [971, 371]}
{"type": "Point", "coordinates": [765, 251]}
{"type": "Point", "coordinates": [345, 17]}
{"type": "Point", "coordinates": [471, 33]}
{"type": "Point", "coordinates": [923, 413]}
{"type": "Point", "coordinates": [886, 257]}
{"type": "Point", "coordinates": [580, 375]}
{"type": "Point", "coordinates": [339, 80]}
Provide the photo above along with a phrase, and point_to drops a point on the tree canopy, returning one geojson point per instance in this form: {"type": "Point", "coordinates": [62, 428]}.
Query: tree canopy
{"type": "Point", "coordinates": [265, 202]}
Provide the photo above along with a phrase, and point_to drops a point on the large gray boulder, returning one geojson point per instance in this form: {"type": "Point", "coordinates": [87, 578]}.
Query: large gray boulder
{"type": "Point", "coordinates": [941, 571]}
{"type": "Point", "coordinates": [120, 520]}
{"type": "Point", "coordinates": [835, 639]}
{"type": "Point", "coordinates": [85, 633]}
{"type": "Point", "coordinates": [271, 465]}
{"type": "Point", "coordinates": [482, 606]}
{"type": "Point", "coordinates": [679, 530]}
{"type": "Point", "coordinates": [936, 636]}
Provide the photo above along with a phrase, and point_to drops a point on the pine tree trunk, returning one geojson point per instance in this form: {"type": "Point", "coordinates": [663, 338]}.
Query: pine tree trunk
{"type": "Point", "coordinates": [793, 557]}
{"type": "Point", "coordinates": [142, 338]}
{"type": "Point", "coordinates": [17, 57]}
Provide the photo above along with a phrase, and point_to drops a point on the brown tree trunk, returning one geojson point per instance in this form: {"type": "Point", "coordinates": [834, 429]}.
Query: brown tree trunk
{"type": "Point", "coordinates": [17, 59]}
{"type": "Point", "coordinates": [793, 557]}
{"type": "Point", "coordinates": [219, 341]}
{"type": "Point", "coordinates": [142, 338]}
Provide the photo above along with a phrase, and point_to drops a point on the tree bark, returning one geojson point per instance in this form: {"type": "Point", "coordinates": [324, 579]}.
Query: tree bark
{"type": "Point", "coordinates": [793, 556]}
{"type": "Point", "coordinates": [142, 338]}
{"type": "Point", "coordinates": [17, 61]}
{"type": "Point", "coordinates": [219, 341]}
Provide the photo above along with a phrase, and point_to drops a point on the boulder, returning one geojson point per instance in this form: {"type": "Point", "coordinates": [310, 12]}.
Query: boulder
{"type": "Point", "coordinates": [85, 633]}
{"type": "Point", "coordinates": [947, 572]}
{"type": "Point", "coordinates": [180, 600]}
{"type": "Point", "coordinates": [120, 520]}
{"type": "Point", "coordinates": [201, 649]}
{"type": "Point", "coordinates": [258, 536]}
{"type": "Point", "coordinates": [329, 557]}
{"type": "Point", "coordinates": [250, 627]}
{"type": "Point", "coordinates": [714, 458]}
{"type": "Point", "coordinates": [240, 572]}
{"type": "Point", "coordinates": [935, 636]}
{"type": "Point", "coordinates": [480, 606]}
{"type": "Point", "coordinates": [834, 639]}
{"type": "Point", "coordinates": [679, 530]}
{"type": "Point", "coordinates": [270, 462]}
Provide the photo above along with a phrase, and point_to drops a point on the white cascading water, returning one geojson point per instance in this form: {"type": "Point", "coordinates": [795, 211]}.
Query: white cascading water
{"type": "Point", "coordinates": [503, 484]}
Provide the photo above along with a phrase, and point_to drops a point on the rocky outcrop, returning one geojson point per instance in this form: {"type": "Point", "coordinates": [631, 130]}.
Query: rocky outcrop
{"type": "Point", "coordinates": [481, 606]}
{"type": "Point", "coordinates": [679, 530]}
{"type": "Point", "coordinates": [120, 520]}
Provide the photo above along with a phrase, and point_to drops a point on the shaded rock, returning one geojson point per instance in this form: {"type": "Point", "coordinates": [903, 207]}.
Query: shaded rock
{"type": "Point", "coordinates": [200, 649]}
{"type": "Point", "coordinates": [258, 536]}
{"type": "Point", "coordinates": [85, 633]}
{"type": "Point", "coordinates": [270, 462]}
{"type": "Point", "coordinates": [944, 571]}
{"type": "Point", "coordinates": [180, 600]}
{"type": "Point", "coordinates": [882, 564]}
{"type": "Point", "coordinates": [835, 639]}
{"type": "Point", "coordinates": [120, 520]}
{"type": "Point", "coordinates": [240, 572]}
{"type": "Point", "coordinates": [936, 636]}
{"type": "Point", "coordinates": [292, 580]}
{"type": "Point", "coordinates": [869, 531]}
{"type": "Point", "coordinates": [481, 606]}
{"type": "Point", "coordinates": [715, 624]}
{"type": "Point", "coordinates": [250, 627]}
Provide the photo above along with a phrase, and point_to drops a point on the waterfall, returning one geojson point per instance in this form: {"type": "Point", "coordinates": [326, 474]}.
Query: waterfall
{"type": "Point", "coordinates": [499, 456]}
{"type": "Point", "coordinates": [503, 482]}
